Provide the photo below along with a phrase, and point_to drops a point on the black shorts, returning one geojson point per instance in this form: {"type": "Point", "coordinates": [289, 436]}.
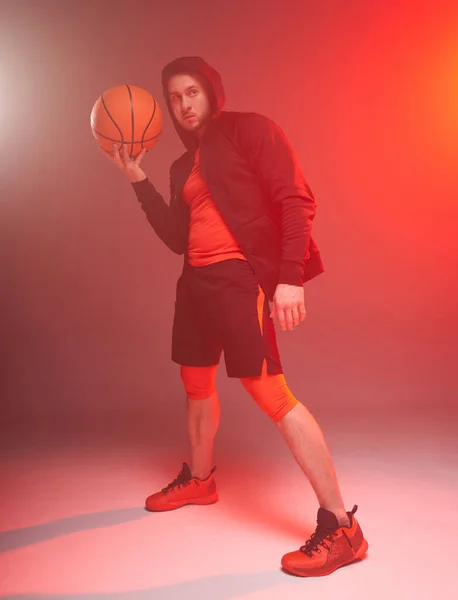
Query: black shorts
{"type": "Point", "coordinates": [221, 307]}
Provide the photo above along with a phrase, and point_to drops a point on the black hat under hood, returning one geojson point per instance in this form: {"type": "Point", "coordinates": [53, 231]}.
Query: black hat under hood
{"type": "Point", "coordinates": [212, 82]}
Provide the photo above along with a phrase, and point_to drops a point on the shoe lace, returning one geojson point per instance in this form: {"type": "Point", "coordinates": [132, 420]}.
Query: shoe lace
{"type": "Point", "coordinates": [180, 480]}
{"type": "Point", "coordinates": [317, 539]}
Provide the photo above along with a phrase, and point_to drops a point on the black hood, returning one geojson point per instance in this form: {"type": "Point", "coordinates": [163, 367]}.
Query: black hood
{"type": "Point", "coordinates": [212, 82]}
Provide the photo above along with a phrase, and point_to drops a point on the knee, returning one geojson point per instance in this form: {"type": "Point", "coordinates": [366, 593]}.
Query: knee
{"type": "Point", "coordinates": [272, 394]}
{"type": "Point", "coordinates": [199, 382]}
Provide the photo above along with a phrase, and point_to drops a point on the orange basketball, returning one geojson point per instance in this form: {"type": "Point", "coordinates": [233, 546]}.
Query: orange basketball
{"type": "Point", "coordinates": [126, 115]}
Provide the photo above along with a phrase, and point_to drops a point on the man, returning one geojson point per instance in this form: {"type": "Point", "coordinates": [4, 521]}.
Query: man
{"type": "Point", "coordinates": [240, 212]}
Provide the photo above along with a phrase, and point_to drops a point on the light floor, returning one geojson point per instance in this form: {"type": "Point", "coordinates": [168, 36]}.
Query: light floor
{"type": "Point", "coordinates": [73, 524]}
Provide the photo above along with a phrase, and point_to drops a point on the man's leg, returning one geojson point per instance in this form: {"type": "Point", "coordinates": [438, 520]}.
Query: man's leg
{"type": "Point", "coordinates": [195, 483]}
{"type": "Point", "coordinates": [249, 342]}
{"type": "Point", "coordinates": [306, 441]}
{"type": "Point", "coordinates": [302, 434]}
{"type": "Point", "coordinates": [203, 413]}
{"type": "Point", "coordinates": [195, 342]}
{"type": "Point", "coordinates": [338, 539]}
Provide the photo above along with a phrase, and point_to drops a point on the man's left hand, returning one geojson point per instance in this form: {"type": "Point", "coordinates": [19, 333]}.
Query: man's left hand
{"type": "Point", "coordinates": [289, 305]}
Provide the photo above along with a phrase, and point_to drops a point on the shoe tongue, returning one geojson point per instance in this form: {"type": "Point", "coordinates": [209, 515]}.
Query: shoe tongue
{"type": "Point", "coordinates": [186, 471]}
{"type": "Point", "coordinates": [326, 519]}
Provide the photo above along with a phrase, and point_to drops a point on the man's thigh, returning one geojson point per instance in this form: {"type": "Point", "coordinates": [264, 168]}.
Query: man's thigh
{"type": "Point", "coordinates": [194, 342]}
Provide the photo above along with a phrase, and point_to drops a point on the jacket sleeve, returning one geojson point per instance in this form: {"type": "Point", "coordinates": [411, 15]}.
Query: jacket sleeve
{"type": "Point", "coordinates": [272, 158]}
{"type": "Point", "coordinates": [164, 219]}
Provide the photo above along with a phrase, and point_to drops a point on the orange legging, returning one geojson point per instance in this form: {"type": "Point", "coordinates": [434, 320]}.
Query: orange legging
{"type": "Point", "coordinates": [270, 392]}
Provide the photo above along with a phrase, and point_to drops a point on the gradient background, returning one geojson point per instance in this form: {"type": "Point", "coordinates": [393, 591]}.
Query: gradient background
{"type": "Point", "coordinates": [367, 92]}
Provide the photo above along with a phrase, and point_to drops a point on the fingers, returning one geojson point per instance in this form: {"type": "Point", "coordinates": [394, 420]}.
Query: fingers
{"type": "Point", "coordinates": [139, 158]}
{"type": "Point", "coordinates": [296, 319]}
{"type": "Point", "coordinates": [290, 317]}
{"type": "Point", "coordinates": [129, 160]}
{"type": "Point", "coordinates": [126, 156]}
{"type": "Point", "coordinates": [122, 158]}
{"type": "Point", "coordinates": [281, 318]}
{"type": "Point", "coordinates": [116, 157]}
{"type": "Point", "coordinates": [302, 311]}
{"type": "Point", "coordinates": [286, 319]}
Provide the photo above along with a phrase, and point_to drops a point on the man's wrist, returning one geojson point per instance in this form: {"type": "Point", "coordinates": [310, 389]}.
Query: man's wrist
{"type": "Point", "coordinates": [138, 182]}
{"type": "Point", "coordinates": [291, 273]}
{"type": "Point", "coordinates": [138, 178]}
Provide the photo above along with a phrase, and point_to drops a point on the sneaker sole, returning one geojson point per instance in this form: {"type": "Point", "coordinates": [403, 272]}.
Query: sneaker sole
{"type": "Point", "coordinates": [174, 505]}
{"type": "Point", "coordinates": [311, 573]}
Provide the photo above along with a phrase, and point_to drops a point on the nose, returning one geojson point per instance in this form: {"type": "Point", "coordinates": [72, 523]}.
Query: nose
{"type": "Point", "coordinates": [185, 104]}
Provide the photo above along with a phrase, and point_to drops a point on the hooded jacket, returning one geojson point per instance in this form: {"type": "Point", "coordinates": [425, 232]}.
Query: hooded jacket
{"type": "Point", "coordinates": [255, 180]}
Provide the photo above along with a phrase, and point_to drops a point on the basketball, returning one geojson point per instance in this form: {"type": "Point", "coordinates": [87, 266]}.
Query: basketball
{"type": "Point", "coordinates": [126, 115]}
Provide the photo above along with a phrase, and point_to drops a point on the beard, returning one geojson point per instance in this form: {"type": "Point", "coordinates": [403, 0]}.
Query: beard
{"type": "Point", "coordinates": [196, 123]}
{"type": "Point", "coordinates": [192, 124]}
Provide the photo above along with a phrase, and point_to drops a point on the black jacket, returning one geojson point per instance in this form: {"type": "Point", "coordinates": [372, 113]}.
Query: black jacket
{"type": "Point", "coordinates": [255, 180]}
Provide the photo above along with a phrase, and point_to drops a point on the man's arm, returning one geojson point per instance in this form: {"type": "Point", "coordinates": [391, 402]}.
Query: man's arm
{"type": "Point", "coordinates": [271, 156]}
{"type": "Point", "coordinates": [164, 219]}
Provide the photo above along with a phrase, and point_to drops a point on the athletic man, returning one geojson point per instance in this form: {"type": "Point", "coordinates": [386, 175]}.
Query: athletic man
{"type": "Point", "coordinates": [241, 213]}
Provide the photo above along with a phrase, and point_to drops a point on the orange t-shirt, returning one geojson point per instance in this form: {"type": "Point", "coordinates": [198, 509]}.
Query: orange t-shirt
{"type": "Point", "coordinates": [210, 239]}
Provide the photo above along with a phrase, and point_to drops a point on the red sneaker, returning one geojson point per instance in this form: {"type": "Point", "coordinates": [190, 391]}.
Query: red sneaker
{"type": "Point", "coordinates": [330, 547]}
{"type": "Point", "coordinates": [185, 489]}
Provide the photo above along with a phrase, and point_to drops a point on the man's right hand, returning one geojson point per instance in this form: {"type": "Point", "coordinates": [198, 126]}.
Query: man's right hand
{"type": "Point", "coordinates": [129, 166]}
